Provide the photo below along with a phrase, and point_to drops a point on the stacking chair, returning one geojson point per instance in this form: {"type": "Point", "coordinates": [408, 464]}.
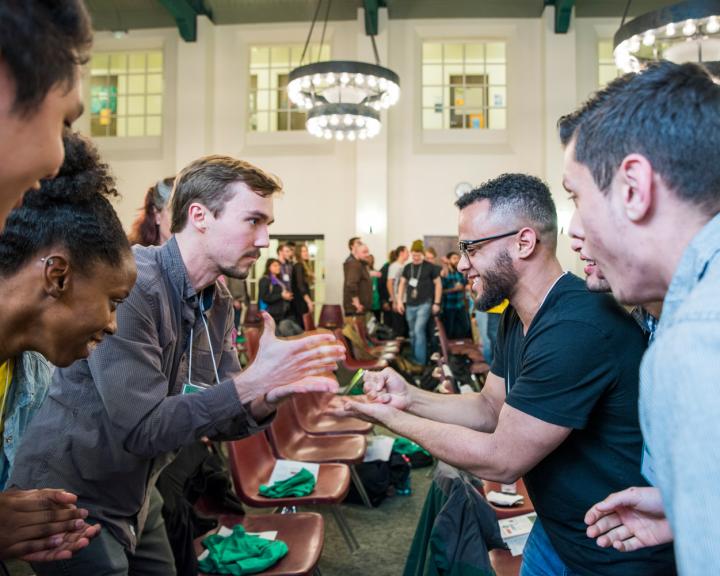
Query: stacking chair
{"type": "Point", "coordinates": [290, 441]}
{"type": "Point", "coordinates": [252, 341]}
{"type": "Point", "coordinates": [308, 322]}
{"type": "Point", "coordinates": [351, 363]}
{"type": "Point", "coordinates": [251, 464]}
{"type": "Point", "coordinates": [310, 410]}
{"type": "Point", "coordinates": [252, 316]}
{"type": "Point", "coordinates": [331, 316]}
{"type": "Point", "coordinates": [478, 365]}
{"type": "Point", "coordinates": [303, 532]}
{"type": "Point", "coordinates": [374, 349]}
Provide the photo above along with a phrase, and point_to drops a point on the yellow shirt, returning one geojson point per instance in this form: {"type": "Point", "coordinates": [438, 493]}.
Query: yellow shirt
{"type": "Point", "coordinates": [6, 372]}
{"type": "Point", "coordinates": [500, 308]}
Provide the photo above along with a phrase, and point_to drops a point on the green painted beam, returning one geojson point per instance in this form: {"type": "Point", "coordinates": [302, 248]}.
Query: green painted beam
{"type": "Point", "coordinates": [185, 13]}
{"type": "Point", "coordinates": [371, 15]}
{"type": "Point", "coordinates": [563, 12]}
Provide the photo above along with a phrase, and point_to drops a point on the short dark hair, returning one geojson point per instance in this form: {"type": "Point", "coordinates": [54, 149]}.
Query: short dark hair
{"type": "Point", "coordinates": [568, 124]}
{"type": "Point", "coordinates": [352, 241]}
{"type": "Point", "coordinates": [521, 196]}
{"type": "Point", "coordinates": [269, 262]}
{"type": "Point", "coordinates": [43, 42]}
{"type": "Point", "coordinates": [207, 180]}
{"type": "Point", "coordinates": [451, 254]}
{"type": "Point", "coordinates": [669, 113]}
{"type": "Point", "coordinates": [71, 210]}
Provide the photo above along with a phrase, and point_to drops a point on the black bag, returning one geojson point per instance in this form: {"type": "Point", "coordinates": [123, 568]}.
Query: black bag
{"type": "Point", "coordinates": [378, 476]}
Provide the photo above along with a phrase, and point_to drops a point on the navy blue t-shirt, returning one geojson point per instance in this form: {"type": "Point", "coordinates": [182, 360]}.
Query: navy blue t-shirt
{"type": "Point", "coordinates": [578, 367]}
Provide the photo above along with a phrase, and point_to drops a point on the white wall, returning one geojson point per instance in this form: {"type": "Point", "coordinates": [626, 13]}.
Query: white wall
{"type": "Point", "coordinates": [402, 184]}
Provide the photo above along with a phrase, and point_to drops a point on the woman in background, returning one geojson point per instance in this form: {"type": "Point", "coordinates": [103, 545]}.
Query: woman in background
{"type": "Point", "coordinates": [152, 226]}
{"type": "Point", "coordinates": [273, 294]}
{"type": "Point", "coordinates": [303, 280]}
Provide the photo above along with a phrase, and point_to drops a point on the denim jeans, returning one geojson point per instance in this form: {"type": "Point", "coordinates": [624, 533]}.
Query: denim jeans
{"type": "Point", "coordinates": [539, 556]}
{"type": "Point", "coordinates": [417, 319]}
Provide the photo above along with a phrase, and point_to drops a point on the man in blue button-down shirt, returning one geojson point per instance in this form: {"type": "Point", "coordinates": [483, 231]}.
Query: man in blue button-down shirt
{"type": "Point", "coordinates": [643, 171]}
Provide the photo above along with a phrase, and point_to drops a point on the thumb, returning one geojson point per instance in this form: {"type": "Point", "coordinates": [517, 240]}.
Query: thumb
{"type": "Point", "coordinates": [268, 326]}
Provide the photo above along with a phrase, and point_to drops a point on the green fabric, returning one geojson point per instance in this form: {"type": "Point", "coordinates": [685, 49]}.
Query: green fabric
{"type": "Point", "coordinates": [407, 447]}
{"type": "Point", "coordinates": [375, 295]}
{"type": "Point", "coordinates": [240, 553]}
{"type": "Point", "coordinates": [302, 484]}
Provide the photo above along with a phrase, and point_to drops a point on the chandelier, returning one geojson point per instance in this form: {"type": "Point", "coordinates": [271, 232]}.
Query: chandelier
{"type": "Point", "coordinates": [343, 99]}
{"type": "Point", "coordinates": [683, 32]}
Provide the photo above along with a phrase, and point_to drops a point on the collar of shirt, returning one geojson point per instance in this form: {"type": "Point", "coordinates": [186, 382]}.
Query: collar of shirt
{"type": "Point", "coordinates": [693, 264]}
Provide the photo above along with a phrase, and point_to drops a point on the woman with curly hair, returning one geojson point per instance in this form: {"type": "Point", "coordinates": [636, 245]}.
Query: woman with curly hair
{"type": "Point", "coordinates": [152, 226]}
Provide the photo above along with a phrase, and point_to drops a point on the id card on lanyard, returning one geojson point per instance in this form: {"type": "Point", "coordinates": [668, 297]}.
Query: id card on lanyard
{"type": "Point", "coordinates": [191, 387]}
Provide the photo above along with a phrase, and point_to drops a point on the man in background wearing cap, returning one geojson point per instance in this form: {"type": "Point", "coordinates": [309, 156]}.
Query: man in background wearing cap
{"type": "Point", "coordinates": [421, 281]}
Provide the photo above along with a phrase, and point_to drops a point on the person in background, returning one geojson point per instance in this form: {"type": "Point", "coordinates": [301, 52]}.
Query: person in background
{"type": "Point", "coordinates": [454, 308]}
{"type": "Point", "coordinates": [398, 323]}
{"type": "Point", "coordinates": [273, 294]}
{"type": "Point", "coordinates": [357, 286]}
{"type": "Point", "coordinates": [152, 225]}
{"type": "Point", "coordinates": [431, 256]}
{"type": "Point", "coordinates": [303, 279]}
{"type": "Point", "coordinates": [169, 375]}
{"type": "Point", "coordinates": [376, 306]}
{"type": "Point", "coordinates": [385, 304]}
{"type": "Point", "coordinates": [39, 89]}
{"type": "Point", "coordinates": [285, 257]}
{"type": "Point", "coordinates": [65, 266]}
{"type": "Point", "coordinates": [420, 281]}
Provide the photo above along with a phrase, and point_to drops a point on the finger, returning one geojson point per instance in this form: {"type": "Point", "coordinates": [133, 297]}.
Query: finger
{"type": "Point", "coordinates": [603, 525]}
{"type": "Point", "coordinates": [618, 534]}
{"type": "Point", "coordinates": [629, 545]}
{"type": "Point", "coordinates": [268, 326]}
{"type": "Point", "coordinates": [596, 513]}
{"type": "Point", "coordinates": [313, 341]}
{"type": "Point", "coordinates": [39, 500]}
{"type": "Point", "coordinates": [334, 350]}
{"type": "Point", "coordinates": [629, 497]}
{"type": "Point", "coordinates": [47, 530]}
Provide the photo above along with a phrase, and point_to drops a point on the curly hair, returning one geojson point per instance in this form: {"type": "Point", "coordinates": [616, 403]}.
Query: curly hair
{"type": "Point", "coordinates": [72, 210]}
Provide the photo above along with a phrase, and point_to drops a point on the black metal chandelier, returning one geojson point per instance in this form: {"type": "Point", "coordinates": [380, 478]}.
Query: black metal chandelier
{"type": "Point", "coordinates": [343, 98]}
{"type": "Point", "coordinates": [685, 32]}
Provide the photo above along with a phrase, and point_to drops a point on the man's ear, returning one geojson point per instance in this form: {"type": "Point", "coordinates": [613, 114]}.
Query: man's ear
{"type": "Point", "coordinates": [56, 275]}
{"type": "Point", "coordinates": [637, 185]}
{"type": "Point", "coordinates": [197, 216]}
{"type": "Point", "coordinates": [527, 240]}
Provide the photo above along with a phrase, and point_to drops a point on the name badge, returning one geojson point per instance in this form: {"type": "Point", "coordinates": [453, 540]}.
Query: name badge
{"type": "Point", "coordinates": [413, 282]}
{"type": "Point", "coordinates": [286, 277]}
{"type": "Point", "coordinates": [189, 388]}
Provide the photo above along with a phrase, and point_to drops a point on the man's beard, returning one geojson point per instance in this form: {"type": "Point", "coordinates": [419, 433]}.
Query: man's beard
{"type": "Point", "coordinates": [498, 282]}
{"type": "Point", "coordinates": [235, 272]}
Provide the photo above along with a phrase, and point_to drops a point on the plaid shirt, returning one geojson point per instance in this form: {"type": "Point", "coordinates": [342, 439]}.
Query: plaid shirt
{"type": "Point", "coordinates": [453, 300]}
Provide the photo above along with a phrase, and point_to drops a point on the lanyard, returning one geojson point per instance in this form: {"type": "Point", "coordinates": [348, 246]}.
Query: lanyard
{"type": "Point", "coordinates": [212, 353]}
{"type": "Point", "coordinates": [412, 269]}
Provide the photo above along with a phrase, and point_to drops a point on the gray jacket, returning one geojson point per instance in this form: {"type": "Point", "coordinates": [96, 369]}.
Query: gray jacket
{"type": "Point", "coordinates": [113, 422]}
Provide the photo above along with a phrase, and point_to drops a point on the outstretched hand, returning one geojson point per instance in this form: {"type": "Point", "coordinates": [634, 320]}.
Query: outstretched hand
{"type": "Point", "coordinates": [387, 387]}
{"type": "Point", "coordinates": [280, 362]}
{"type": "Point", "coordinates": [42, 525]}
{"type": "Point", "coordinates": [629, 520]}
{"type": "Point", "coordinates": [375, 412]}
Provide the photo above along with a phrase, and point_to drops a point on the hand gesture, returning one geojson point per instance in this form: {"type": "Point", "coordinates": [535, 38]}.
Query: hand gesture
{"type": "Point", "coordinates": [629, 520]}
{"type": "Point", "coordinates": [42, 525]}
{"type": "Point", "coordinates": [283, 361]}
{"type": "Point", "coordinates": [375, 412]}
{"type": "Point", "coordinates": [387, 387]}
{"type": "Point", "coordinates": [286, 295]}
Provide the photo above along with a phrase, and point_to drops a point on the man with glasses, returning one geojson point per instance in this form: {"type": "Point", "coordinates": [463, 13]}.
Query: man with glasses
{"type": "Point", "coordinates": [559, 407]}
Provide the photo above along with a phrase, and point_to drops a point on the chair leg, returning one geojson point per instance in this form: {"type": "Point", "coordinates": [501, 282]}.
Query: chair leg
{"type": "Point", "coordinates": [345, 529]}
{"type": "Point", "coordinates": [357, 481]}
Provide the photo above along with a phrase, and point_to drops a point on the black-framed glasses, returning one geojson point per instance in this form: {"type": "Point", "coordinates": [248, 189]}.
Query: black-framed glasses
{"type": "Point", "coordinates": [465, 245]}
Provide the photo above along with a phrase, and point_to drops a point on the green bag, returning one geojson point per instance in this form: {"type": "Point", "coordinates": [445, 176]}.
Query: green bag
{"type": "Point", "coordinates": [240, 553]}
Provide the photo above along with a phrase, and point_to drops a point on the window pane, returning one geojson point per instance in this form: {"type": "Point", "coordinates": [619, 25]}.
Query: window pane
{"type": "Point", "coordinates": [118, 63]}
{"type": "Point", "coordinates": [475, 97]}
{"type": "Point", "coordinates": [432, 97]}
{"type": "Point", "coordinates": [432, 53]}
{"type": "Point", "coordinates": [279, 56]}
{"type": "Point", "coordinates": [497, 119]}
{"type": "Point", "coordinates": [122, 84]}
{"type": "Point", "coordinates": [154, 84]}
{"type": "Point", "coordinates": [474, 53]}
{"type": "Point", "coordinates": [496, 74]}
{"type": "Point", "coordinates": [154, 104]}
{"type": "Point", "coordinates": [260, 56]}
{"type": "Point", "coordinates": [497, 97]}
{"type": "Point", "coordinates": [495, 53]}
{"type": "Point", "coordinates": [263, 99]}
{"type": "Point", "coordinates": [453, 53]}
{"type": "Point", "coordinates": [155, 61]}
{"type": "Point", "coordinates": [136, 105]}
{"type": "Point", "coordinates": [154, 126]}
{"type": "Point", "coordinates": [122, 105]}
{"type": "Point", "coordinates": [137, 62]}
{"type": "Point", "coordinates": [136, 126]}
{"type": "Point", "coordinates": [605, 51]}
{"type": "Point", "coordinates": [136, 84]}
{"type": "Point", "coordinates": [100, 63]}
{"type": "Point", "coordinates": [432, 120]}
{"type": "Point", "coordinates": [432, 75]}
{"type": "Point", "coordinates": [121, 127]}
